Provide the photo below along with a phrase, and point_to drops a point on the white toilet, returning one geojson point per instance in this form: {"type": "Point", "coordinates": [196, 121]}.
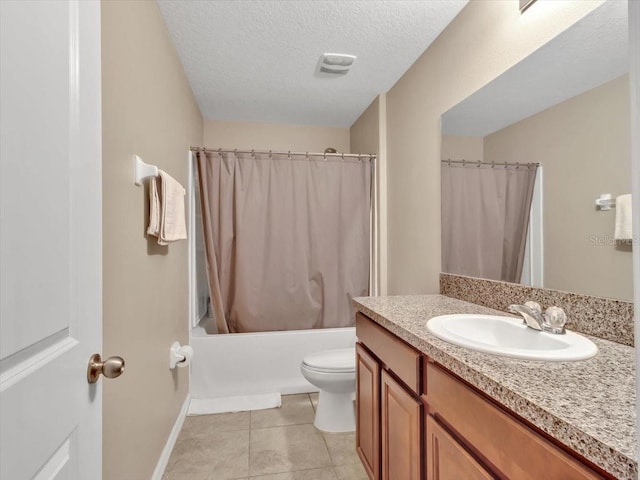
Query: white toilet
{"type": "Point", "coordinates": [334, 373]}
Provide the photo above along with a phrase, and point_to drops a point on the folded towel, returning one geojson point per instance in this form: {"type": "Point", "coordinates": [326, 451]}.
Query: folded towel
{"type": "Point", "coordinates": [166, 209]}
{"type": "Point", "coordinates": [154, 208]}
{"type": "Point", "coordinates": [623, 218]}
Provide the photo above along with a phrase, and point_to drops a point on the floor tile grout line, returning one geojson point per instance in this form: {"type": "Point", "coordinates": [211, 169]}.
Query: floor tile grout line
{"type": "Point", "coordinates": [324, 439]}
{"type": "Point", "coordinates": [281, 426]}
{"type": "Point", "coordinates": [292, 471]}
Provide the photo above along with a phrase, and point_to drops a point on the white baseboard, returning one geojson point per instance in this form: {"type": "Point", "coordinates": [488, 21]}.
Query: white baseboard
{"type": "Point", "coordinates": [171, 441]}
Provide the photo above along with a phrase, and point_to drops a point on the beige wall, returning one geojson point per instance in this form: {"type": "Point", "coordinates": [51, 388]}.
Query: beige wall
{"type": "Point", "coordinates": [462, 147]}
{"type": "Point", "coordinates": [364, 134]}
{"type": "Point", "coordinates": [583, 145]}
{"type": "Point", "coordinates": [484, 40]}
{"type": "Point", "coordinates": [368, 135]}
{"type": "Point", "coordinates": [274, 136]}
{"type": "Point", "coordinates": [149, 110]}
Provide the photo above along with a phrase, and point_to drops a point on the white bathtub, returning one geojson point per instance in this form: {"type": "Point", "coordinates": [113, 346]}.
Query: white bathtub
{"type": "Point", "coordinates": [254, 364]}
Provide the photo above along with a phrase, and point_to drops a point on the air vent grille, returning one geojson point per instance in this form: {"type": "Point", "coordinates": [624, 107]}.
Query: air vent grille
{"type": "Point", "coordinates": [336, 63]}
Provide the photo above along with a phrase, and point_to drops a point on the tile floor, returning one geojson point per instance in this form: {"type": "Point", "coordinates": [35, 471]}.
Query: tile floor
{"type": "Point", "coordinates": [275, 444]}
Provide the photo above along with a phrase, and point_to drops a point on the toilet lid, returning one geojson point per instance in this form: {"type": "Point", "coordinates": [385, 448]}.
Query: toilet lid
{"type": "Point", "coordinates": [342, 360]}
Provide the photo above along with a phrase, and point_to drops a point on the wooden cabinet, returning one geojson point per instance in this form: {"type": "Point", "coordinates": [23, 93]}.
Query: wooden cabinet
{"type": "Point", "coordinates": [446, 459]}
{"type": "Point", "coordinates": [417, 421]}
{"type": "Point", "coordinates": [401, 417]}
{"type": "Point", "coordinates": [388, 408]}
{"type": "Point", "coordinates": [368, 412]}
{"type": "Point", "coordinates": [495, 436]}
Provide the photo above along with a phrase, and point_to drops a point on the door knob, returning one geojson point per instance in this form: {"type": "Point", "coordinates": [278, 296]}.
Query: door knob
{"type": "Point", "coordinates": [111, 367]}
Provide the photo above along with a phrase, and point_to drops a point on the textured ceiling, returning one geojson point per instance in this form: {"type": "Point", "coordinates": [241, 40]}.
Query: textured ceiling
{"type": "Point", "coordinates": [258, 60]}
{"type": "Point", "coordinates": [589, 53]}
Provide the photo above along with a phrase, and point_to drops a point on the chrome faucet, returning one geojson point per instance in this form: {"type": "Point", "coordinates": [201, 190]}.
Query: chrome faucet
{"type": "Point", "coordinates": [552, 321]}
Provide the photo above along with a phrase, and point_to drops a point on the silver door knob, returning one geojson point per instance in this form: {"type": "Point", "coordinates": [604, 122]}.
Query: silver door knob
{"type": "Point", "coordinates": [111, 367]}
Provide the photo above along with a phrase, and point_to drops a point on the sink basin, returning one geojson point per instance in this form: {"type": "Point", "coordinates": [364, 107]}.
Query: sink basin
{"type": "Point", "coordinates": [509, 337]}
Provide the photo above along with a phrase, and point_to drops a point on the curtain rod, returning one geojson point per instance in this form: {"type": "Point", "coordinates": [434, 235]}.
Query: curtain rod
{"type": "Point", "coordinates": [492, 164]}
{"type": "Point", "coordinates": [272, 152]}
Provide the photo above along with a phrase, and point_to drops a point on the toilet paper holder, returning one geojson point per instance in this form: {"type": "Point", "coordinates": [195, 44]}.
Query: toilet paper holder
{"type": "Point", "coordinates": [179, 356]}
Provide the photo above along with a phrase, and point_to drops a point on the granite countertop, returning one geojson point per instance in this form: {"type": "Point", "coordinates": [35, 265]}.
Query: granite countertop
{"type": "Point", "coordinates": [587, 405]}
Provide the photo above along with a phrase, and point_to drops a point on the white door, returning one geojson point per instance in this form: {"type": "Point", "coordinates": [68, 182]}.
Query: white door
{"type": "Point", "coordinates": [50, 239]}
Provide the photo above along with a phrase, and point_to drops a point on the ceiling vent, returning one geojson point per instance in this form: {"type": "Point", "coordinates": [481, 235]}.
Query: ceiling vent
{"type": "Point", "coordinates": [336, 63]}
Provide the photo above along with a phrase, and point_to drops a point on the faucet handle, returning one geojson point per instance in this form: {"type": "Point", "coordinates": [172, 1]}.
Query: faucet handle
{"type": "Point", "coordinates": [533, 306]}
{"type": "Point", "coordinates": [555, 317]}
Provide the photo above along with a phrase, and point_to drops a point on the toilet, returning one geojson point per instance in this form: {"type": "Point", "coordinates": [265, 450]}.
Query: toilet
{"type": "Point", "coordinates": [334, 373]}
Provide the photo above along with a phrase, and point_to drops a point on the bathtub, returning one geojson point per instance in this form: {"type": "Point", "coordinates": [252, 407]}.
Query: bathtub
{"type": "Point", "coordinates": [242, 366]}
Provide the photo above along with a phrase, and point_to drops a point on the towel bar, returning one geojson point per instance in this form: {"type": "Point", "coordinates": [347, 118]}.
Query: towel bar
{"type": "Point", "coordinates": [142, 170]}
{"type": "Point", "coordinates": [605, 202]}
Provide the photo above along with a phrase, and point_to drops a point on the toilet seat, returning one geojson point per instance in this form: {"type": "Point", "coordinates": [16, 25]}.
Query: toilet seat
{"type": "Point", "coordinates": [342, 360]}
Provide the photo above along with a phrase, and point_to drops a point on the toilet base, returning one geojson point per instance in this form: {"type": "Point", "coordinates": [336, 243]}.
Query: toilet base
{"type": "Point", "coordinates": [335, 412]}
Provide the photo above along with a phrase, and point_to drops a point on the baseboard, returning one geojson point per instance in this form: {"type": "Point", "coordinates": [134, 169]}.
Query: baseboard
{"type": "Point", "coordinates": [171, 441]}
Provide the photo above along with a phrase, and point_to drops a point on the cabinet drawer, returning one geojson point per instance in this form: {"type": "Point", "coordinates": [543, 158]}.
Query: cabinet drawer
{"type": "Point", "coordinates": [404, 361]}
{"type": "Point", "coordinates": [506, 444]}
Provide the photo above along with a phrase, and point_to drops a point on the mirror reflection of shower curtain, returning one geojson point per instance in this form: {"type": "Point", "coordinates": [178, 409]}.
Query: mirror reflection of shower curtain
{"type": "Point", "coordinates": [485, 218]}
{"type": "Point", "coordinates": [286, 239]}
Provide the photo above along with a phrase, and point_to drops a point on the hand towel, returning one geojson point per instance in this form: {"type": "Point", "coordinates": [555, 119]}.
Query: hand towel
{"type": "Point", "coordinates": [623, 229]}
{"type": "Point", "coordinates": [154, 208]}
{"type": "Point", "coordinates": [166, 209]}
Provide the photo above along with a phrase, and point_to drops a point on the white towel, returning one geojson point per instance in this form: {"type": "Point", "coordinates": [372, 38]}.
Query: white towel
{"type": "Point", "coordinates": [166, 209]}
{"type": "Point", "coordinates": [623, 218]}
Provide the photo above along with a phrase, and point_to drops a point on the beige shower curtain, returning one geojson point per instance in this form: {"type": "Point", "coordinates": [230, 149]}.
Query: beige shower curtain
{"type": "Point", "coordinates": [485, 219]}
{"type": "Point", "coordinates": [286, 238]}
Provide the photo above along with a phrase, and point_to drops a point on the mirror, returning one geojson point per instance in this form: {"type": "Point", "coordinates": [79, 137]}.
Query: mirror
{"type": "Point", "coordinates": [565, 108]}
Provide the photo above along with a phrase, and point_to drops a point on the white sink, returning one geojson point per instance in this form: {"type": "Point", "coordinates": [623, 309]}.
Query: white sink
{"type": "Point", "coordinates": [509, 337]}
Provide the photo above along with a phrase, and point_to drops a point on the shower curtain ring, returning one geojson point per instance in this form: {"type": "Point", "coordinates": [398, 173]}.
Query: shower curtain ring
{"type": "Point", "coordinates": [517, 165]}
{"type": "Point", "coordinates": [270, 154]}
{"type": "Point", "coordinates": [493, 164]}
{"type": "Point", "coordinates": [342, 155]}
{"type": "Point", "coordinates": [479, 163]}
{"type": "Point", "coordinates": [253, 153]}
{"type": "Point", "coordinates": [220, 151]}
{"type": "Point", "coordinates": [289, 154]}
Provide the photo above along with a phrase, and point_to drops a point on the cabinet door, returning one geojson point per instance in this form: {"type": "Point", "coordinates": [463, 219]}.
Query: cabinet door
{"type": "Point", "coordinates": [368, 412]}
{"type": "Point", "coordinates": [400, 422]}
{"type": "Point", "coordinates": [507, 444]}
{"type": "Point", "coordinates": [446, 459]}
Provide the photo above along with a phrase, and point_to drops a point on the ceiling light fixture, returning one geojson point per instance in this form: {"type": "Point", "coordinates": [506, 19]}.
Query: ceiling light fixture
{"type": "Point", "coordinates": [336, 63]}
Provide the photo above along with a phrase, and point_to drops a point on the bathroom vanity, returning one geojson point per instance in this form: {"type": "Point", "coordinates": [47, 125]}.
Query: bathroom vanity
{"type": "Point", "coordinates": [431, 410]}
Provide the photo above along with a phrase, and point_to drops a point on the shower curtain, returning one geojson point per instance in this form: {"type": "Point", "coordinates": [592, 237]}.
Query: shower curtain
{"type": "Point", "coordinates": [485, 219]}
{"type": "Point", "coordinates": [286, 238]}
